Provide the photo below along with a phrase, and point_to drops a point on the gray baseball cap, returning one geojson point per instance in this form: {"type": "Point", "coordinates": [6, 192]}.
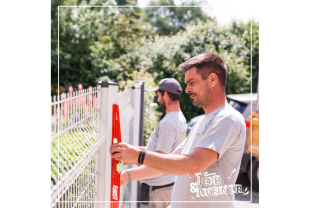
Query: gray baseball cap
{"type": "Point", "coordinates": [170, 85]}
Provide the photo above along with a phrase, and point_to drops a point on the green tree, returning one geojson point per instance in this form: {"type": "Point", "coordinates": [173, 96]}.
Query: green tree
{"type": "Point", "coordinates": [54, 45]}
{"type": "Point", "coordinates": [79, 27]}
{"type": "Point", "coordinates": [121, 45]}
{"type": "Point", "coordinates": [86, 31]}
{"type": "Point", "coordinates": [163, 54]}
{"type": "Point", "coordinates": [89, 38]}
{"type": "Point", "coordinates": [243, 30]}
{"type": "Point", "coordinates": [169, 20]}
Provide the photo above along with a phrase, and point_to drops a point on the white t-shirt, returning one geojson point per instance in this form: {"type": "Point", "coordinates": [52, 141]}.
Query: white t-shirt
{"type": "Point", "coordinates": [223, 130]}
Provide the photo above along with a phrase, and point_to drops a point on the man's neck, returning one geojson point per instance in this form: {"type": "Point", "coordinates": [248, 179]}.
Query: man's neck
{"type": "Point", "coordinates": [215, 104]}
{"type": "Point", "coordinates": [172, 106]}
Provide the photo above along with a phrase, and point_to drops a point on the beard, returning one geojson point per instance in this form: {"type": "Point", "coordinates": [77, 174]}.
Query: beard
{"type": "Point", "coordinates": [163, 106]}
{"type": "Point", "coordinates": [203, 99]}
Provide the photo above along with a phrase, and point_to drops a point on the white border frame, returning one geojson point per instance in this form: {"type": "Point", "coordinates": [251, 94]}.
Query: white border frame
{"type": "Point", "coordinates": [160, 6]}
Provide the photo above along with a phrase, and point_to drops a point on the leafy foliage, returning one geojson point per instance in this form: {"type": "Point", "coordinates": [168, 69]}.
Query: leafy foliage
{"type": "Point", "coordinates": [85, 31]}
{"type": "Point", "coordinates": [129, 44]}
{"type": "Point", "coordinates": [244, 30]}
{"type": "Point", "coordinates": [163, 54]}
{"type": "Point", "coordinates": [71, 149]}
{"type": "Point", "coordinates": [169, 20]}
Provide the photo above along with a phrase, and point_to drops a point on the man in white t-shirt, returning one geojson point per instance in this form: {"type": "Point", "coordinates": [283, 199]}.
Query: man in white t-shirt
{"type": "Point", "coordinates": [168, 134]}
{"type": "Point", "coordinates": [207, 162]}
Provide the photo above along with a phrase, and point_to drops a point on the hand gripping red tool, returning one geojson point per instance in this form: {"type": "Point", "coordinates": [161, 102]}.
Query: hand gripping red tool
{"type": "Point", "coordinates": [115, 165]}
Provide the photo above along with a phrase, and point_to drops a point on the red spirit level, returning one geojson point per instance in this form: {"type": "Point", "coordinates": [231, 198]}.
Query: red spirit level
{"type": "Point", "coordinates": [115, 165]}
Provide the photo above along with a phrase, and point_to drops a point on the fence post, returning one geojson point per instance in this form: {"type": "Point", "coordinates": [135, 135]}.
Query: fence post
{"type": "Point", "coordinates": [108, 97]}
{"type": "Point", "coordinates": [136, 133]}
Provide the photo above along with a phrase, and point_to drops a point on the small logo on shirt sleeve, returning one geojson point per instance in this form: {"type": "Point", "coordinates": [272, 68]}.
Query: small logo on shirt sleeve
{"type": "Point", "coordinates": [199, 134]}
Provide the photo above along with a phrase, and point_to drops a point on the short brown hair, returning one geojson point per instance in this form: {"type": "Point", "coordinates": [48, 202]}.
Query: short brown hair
{"type": "Point", "coordinates": [206, 63]}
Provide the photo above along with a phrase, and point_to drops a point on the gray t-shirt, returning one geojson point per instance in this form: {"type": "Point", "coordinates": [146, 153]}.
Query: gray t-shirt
{"type": "Point", "coordinates": [223, 130]}
{"type": "Point", "coordinates": [168, 134]}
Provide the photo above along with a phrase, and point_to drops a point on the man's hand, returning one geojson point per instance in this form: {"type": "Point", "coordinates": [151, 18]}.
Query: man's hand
{"type": "Point", "coordinates": [125, 152]}
{"type": "Point", "coordinates": [123, 178]}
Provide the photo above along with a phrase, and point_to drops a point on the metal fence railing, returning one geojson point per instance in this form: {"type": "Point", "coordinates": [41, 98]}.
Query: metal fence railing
{"type": "Point", "coordinates": [80, 139]}
{"type": "Point", "coordinates": [76, 135]}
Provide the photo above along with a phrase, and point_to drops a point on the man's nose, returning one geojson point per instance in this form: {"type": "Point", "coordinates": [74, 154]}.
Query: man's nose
{"type": "Point", "coordinates": [187, 89]}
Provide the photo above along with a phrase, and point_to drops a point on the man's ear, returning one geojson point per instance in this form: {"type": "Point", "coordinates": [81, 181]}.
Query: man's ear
{"type": "Point", "coordinates": [213, 79]}
{"type": "Point", "coordinates": [166, 96]}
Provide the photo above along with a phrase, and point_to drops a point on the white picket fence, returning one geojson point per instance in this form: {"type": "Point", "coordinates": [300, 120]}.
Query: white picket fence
{"type": "Point", "coordinates": [81, 138]}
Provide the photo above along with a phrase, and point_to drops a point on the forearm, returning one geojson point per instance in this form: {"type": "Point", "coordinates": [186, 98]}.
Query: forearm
{"type": "Point", "coordinates": [141, 147]}
{"type": "Point", "coordinates": [174, 164]}
{"type": "Point", "coordinates": [139, 173]}
{"type": "Point", "coordinates": [143, 172]}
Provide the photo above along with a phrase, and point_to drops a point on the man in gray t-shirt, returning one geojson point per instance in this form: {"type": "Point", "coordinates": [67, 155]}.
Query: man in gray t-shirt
{"type": "Point", "coordinates": [172, 126]}
{"type": "Point", "coordinates": [223, 131]}
{"type": "Point", "coordinates": [207, 162]}
{"type": "Point", "coordinates": [168, 134]}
